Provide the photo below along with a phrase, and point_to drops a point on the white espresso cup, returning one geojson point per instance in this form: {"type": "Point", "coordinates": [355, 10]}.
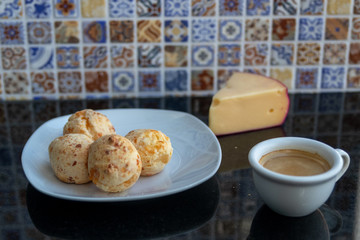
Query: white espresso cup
{"type": "Point", "coordinates": [296, 196]}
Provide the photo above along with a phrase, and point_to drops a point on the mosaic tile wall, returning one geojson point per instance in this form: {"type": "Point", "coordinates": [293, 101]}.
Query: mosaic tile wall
{"type": "Point", "coordinates": [124, 48]}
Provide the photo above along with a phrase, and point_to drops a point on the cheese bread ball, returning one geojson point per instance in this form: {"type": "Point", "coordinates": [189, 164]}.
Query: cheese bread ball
{"type": "Point", "coordinates": [90, 123]}
{"type": "Point", "coordinates": [69, 158]}
{"type": "Point", "coordinates": [114, 163]}
{"type": "Point", "coordinates": [154, 148]}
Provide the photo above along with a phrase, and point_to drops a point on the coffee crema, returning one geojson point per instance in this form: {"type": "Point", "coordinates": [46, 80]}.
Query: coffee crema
{"type": "Point", "coordinates": [294, 162]}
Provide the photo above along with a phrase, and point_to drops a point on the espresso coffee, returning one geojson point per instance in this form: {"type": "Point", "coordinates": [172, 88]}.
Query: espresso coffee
{"type": "Point", "coordinates": [294, 162]}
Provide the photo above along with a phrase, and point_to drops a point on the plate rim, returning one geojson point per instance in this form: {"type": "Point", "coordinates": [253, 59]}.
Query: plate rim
{"type": "Point", "coordinates": [30, 179]}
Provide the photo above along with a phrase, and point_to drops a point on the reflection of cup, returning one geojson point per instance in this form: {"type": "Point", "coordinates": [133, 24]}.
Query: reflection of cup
{"type": "Point", "coordinates": [296, 195]}
{"type": "Point", "coordinates": [269, 225]}
{"type": "Point", "coordinates": [145, 219]}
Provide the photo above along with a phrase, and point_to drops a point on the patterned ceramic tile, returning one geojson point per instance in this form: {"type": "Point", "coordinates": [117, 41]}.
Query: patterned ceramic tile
{"type": "Point", "coordinates": [282, 54]}
{"type": "Point", "coordinates": [285, 7]}
{"type": "Point", "coordinates": [202, 56]}
{"type": "Point", "coordinates": [16, 83]}
{"type": "Point", "coordinates": [176, 80]}
{"type": "Point", "coordinates": [149, 56]}
{"type": "Point", "coordinates": [229, 55]}
{"type": "Point", "coordinates": [93, 8]}
{"type": "Point", "coordinates": [306, 78]}
{"type": "Point", "coordinates": [203, 30]}
{"type": "Point", "coordinates": [149, 31]}
{"type": "Point", "coordinates": [121, 31]}
{"type": "Point", "coordinates": [283, 29]}
{"type": "Point", "coordinates": [148, 8]}
{"type": "Point", "coordinates": [66, 32]}
{"type": "Point", "coordinates": [311, 7]}
{"type": "Point", "coordinates": [308, 53]}
{"type": "Point", "coordinates": [223, 76]}
{"type": "Point", "coordinates": [332, 78]}
{"type": "Point", "coordinates": [149, 81]}
{"type": "Point", "coordinates": [202, 80]}
{"type": "Point", "coordinates": [42, 82]}
{"type": "Point", "coordinates": [260, 71]}
{"type": "Point", "coordinates": [13, 58]}
{"type": "Point", "coordinates": [39, 32]}
{"type": "Point", "coordinates": [122, 56]}
{"type": "Point", "coordinates": [353, 79]}
{"type": "Point", "coordinates": [230, 30]}
{"type": "Point", "coordinates": [68, 57]}
{"type": "Point", "coordinates": [176, 31]}
{"type": "Point", "coordinates": [355, 31]}
{"type": "Point", "coordinates": [176, 56]}
{"type": "Point", "coordinates": [121, 8]}
{"type": "Point", "coordinates": [38, 8]}
{"type": "Point", "coordinates": [257, 30]}
{"type": "Point", "coordinates": [310, 29]}
{"type": "Point", "coordinates": [356, 7]}
{"type": "Point", "coordinates": [336, 28]}
{"type": "Point", "coordinates": [69, 82]}
{"type": "Point", "coordinates": [96, 82]}
{"type": "Point", "coordinates": [123, 81]}
{"type": "Point", "coordinates": [230, 7]}
{"type": "Point", "coordinates": [94, 32]}
{"type": "Point", "coordinates": [95, 57]}
{"type": "Point", "coordinates": [41, 57]}
{"type": "Point", "coordinates": [66, 8]}
{"type": "Point", "coordinates": [334, 53]}
{"type": "Point", "coordinates": [284, 75]}
{"type": "Point", "coordinates": [10, 9]}
{"type": "Point", "coordinates": [11, 33]}
{"type": "Point", "coordinates": [201, 8]}
{"type": "Point", "coordinates": [256, 54]}
{"type": "Point", "coordinates": [336, 7]}
{"type": "Point", "coordinates": [256, 8]}
{"type": "Point", "coordinates": [354, 53]}
{"type": "Point", "coordinates": [177, 8]}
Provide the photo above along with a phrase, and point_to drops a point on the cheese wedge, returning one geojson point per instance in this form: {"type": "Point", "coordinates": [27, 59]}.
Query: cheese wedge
{"type": "Point", "coordinates": [248, 102]}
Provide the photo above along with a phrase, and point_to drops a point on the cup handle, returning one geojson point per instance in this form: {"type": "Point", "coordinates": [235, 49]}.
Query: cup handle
{"type": "Point", "coordinates": [346, 162]}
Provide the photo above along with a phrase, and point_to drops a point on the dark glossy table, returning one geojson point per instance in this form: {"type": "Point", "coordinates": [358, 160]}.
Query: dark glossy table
{"type": "Point", "coordinates": [224, 207]}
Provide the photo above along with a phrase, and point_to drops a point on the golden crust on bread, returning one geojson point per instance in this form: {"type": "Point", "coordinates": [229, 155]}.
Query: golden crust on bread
{"type": "Point", "coordinates": [114, 164]}
{"type": "Point", "coordinates": [90, 123]}
{"type": "Point", "coordinates": [154, 148]}
{"type": "Point", "coordinates": [69, 158]}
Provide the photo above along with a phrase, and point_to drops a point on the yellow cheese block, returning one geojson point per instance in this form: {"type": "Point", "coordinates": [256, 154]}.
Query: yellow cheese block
{"type": "Point", "coordinates": [248, 102]}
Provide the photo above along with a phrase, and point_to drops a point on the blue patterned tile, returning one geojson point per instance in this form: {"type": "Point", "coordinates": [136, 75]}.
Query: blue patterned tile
{"type": "Point", "coordinates": [176, 31]}
{"type": "Point", "coordinates": [311, 7]}
{"type": "Point", "coordinates": [11, 33]}
{"type": "Point", "coordinates": [332, 77]}
{"type": "Point", "coordinates": [39, 32]}
{"type": "Point", "coordinates": [38, 8]}
{"type": "Point", "coordinates": [176, 8]}
{"type": "Point", "coordinates": [200, 8]}
{"type": "Point", "coordinates": [202, 56]}
{"type": "Point", "coordinates": [230, 30]}
{"type": "Point", "coordinates": [311, 28]}
{"type": "Point", "coordinates": [66, 8]}
{"type": "Point", "coordinates": [258, 8]}
{"type": "Point", "coordinates": [230, 7]}
{"type": "Point", "coordinates": [95, 57]}
{"type": "Point", "coordinates": [149, 81]}
{"type": "Point", "coordinates": [10, 9]}
{"type": "Point", "coordinates": [41, 57]}
{"type": "Point", "coordinates": [123, 81]}
{"type": "Point", "coordinates": [282, 54]}
{"type": "Point", "coordinates": [285, 7]}
{"type": "Point", "coordinates": [176, 80]}
{"type": "Point", "coordinates": [330, 102]}
{"type": "Point", "coordinates": [94, 32]}
{"type": "Point", "coordinates": [203, 30]}
{"type": "Point", "coordinates": [229, 55]}
{"type": "Point", "coordinates": [122, 8]}
{"type": "Point", "coordinates": [68, 57]}
{"type": "Point", "coordinates": [149, 56]}
{"type": "Point", "coordinates": [306, 78]}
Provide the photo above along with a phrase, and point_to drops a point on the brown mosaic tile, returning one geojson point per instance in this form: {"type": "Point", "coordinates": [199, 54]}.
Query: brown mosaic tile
{"type": "Point", "coordinates": [16, 83]}
{"type": "Point", "coordinates": [284, 75]}
{"type": "Point", "coordinates": [337, 7]}
{"type": "Point", "coordinates": [149, 31]}
{"type": "Point", "coordinates": [93, 8]}
{"type": "Point", "coordinates": [42, 82]}
{"type": "Point", "coordinates": [148, 8]}
{"type": "Point", "coordinates": [336, 28]}
{"type": "Point", "coordinates": [257, 30]}
{"type": "Point", "coordinates": [95, 57]}
{"type": "Point", "coordinates": [308, 54]}
{"type": "Point", "coordinates": [202, 80]}
{"type": "Point", "coordinates": [96, 82]}
{"type": "Point", "coordinates": [66, 32]}
{"type": "Point", "coordinates": [176, 56]}
{"type": "Point", "coordinates": [69, 82]}
{"type": "Point", "coordinates": [260, 71]}
{"type": "Point", "coordinates": [13, 58]}
{"type": "Point", "coordinates": [355, 31]}
{"type": "Point", "coordinates": [121, 31]}
{"type": "Point", "coordinates": [354, 53]}
{"type": "Point", "coordinates": [334, 53]}
{"type": "Point", "coordinates": [356, 7]}
{"type": "Point", "coordinates": [256, 54]}
{"type": "Point", "coordinates": [283, 29]}
{"type": "Point", "coordinates": [122, 56]}
{"type": "Point", "coordinates": [200, 8]}
{"type": "Point", "coordinates": [224, 75]}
